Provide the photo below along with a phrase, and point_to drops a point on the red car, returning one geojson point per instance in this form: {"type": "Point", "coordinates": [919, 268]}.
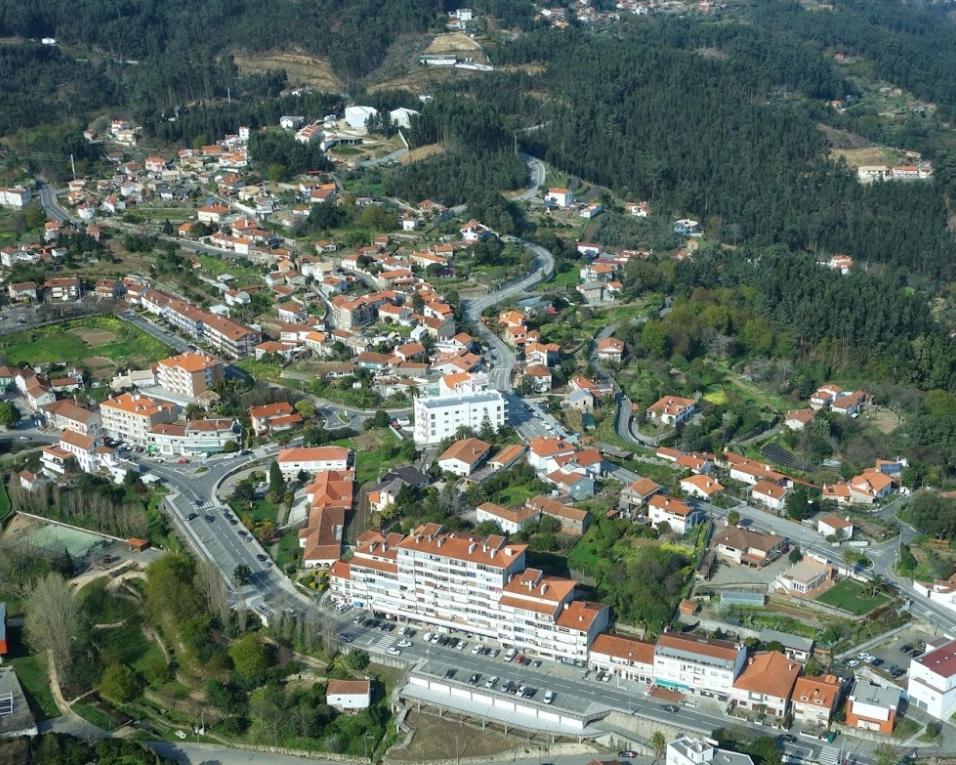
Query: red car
{"type": "Point", "coordinates": [183, 461]}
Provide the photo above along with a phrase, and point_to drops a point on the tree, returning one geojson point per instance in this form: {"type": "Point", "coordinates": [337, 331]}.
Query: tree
{"type": "Point", "coordinates": [119, 683]}
{"type": "Point", "coordinates": [242, 574]}
{"type": "Point", "coordinates": [798, 505]}
{"type": "Point", "coordinates": [212, 587]}
{"type": "Point", "coordinates": [9, 415]}
{"type": "Point", "coordinates": [276, 481]}
{"type": "Point", "coordinates": [357, 659]}
{"type": "Point", "coordinates": [54, 621]}
{"type": "Point", "coordinates": [795, 555]}
{"type": "Point", "coordinates": [486, 431]}
{"type": "Point", "coordinates": [250, 656]}
{"type": "Point", "coordinates": [305, 407]}
{"type": "Point", "coordinates": [658, 744]}
{"type": "Point", "coordinates": [733, 518]}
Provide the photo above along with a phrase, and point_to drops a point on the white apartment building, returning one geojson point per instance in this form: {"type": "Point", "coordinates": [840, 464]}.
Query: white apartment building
{"type": "Point", "coordinates": [86, 452]}
{"type": "Point", "coordinates": [932, 680]}
{"type": "Point", "coordinates": [312, 459]}
{"type": "Point", "coordinates": [189, 374]}
{"type": "Point", "coordinates": [440, 410]}
{"type": "Point", "coordinates": [692, 664]}
{"type": "Point", "coordinates": [132, 416]}
{"type": "Point", "coordinates": [475, 584]}
{"type": "Point", "coordinates": [194, 438]}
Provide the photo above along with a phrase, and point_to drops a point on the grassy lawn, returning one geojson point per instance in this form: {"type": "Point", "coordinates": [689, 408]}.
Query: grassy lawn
{"type": "Point", "coordinates": [32, 673]}
{"type": "Point", "coordinates": [122, 645]}
{"type": "Point", "coordinates": [93, 715]}
{"type": "Point", "coordinates": [289, 554]}
{"type": "Point", "coordinates": [219, 266]}
{"type": "Point", "coordinates": [851, 596]}
{"type": "Point", "coordinates": [75, 342]}
{"type": "Point", "coordinates": [103, 607]}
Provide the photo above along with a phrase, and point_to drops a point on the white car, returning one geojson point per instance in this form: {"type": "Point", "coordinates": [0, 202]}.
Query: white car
{"type": "Point", "coordinates": [393, 651]}
{"type": "Point", "coordinates": [404, 643]}
{"type": "Point", "coordinates": [428, 637]}
{"type": "Point", "coordinates": [462, 645]}
{"type": "Point", "coordinates": [476, 649]}
{"type": "Point", "coordinates": [548, 697]}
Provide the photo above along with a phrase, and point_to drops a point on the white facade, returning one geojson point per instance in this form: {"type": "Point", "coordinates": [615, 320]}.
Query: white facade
{"type": "Point", "coordinates": [697, 665]}
{"type": "Point", "coordinates": [357, 116]}
{"type": "Point", "coordinates": [438, 416]}
{"type": "Point", "coordinates": [313, 460]}
{"type": "Point", "coordinates": [932, 681]}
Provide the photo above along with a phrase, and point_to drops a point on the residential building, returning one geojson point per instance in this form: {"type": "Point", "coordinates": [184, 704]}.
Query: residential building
{"type": "Point", "coordinates": [932, 680]}
{"type": "Point", "coordinates": [626, 657]}
{"type": "Point", "coordinates": [86, 452]}
{"type": "Point", "coordinates": [671, 410]}
{"type": "Point", "coordinates": [873, 707]}
{"type": "Point", "coordinates": [815, 699]}
{"type": "Point", "coordinates": [463, 457]}
{"type": "Point", "coordinates": [312, 459]}
{"type": "Point", "coordinates": [549, 453]}
{"type": "Point", "coordinates": [748, 548]}
{"type": "Point", "coordinates": [67, 415]}
{"type": "Point", "coordinates": [634, 497]}
{"type": "Point", "coordinates": [679, 516]}
{"type": "Point", "coordinates": [440, 412]}
{"type": "Point", "coordinates": [700, 486]}
{"type": "Point", "coordinates": [63, 288]}
{"type": "Point", "coordinates": [798, 419]}
{"type": "Point", "coordinates": [765, 683]}
{"type": "Point", "coordinates": [864, 489]}
{"type": "Point", "coordinates": [189, 374]}
{"type": "Point", "coordinates": [573, 520]}
{"type": "Point", "coordinates": [348, 695]}
{"type": "Point", "coordinates": [131, 417]}
{"type": "Point", "coordinates": [195, 437]}
{"type": "Point", "coordinates": [805, 576]}
{"type": "Point", "coordinates": [833, 525]}
{"type": "Point", "coordinates": [559, 196]}
{"type": "Point", "coordinates": [475, 584]}
{"type": "Point", "coordinates": [692, 664]}
{"type": "Point", "coordinates": [685, 750]}
{"type": "Point", "coordinates": [610, 349]}
{"type": "Point", "coordinates": [273, 418]}
{"type": "Point", "coordinates": [509, 520]}
{"type": "Point", "coordinates": [770, 495]}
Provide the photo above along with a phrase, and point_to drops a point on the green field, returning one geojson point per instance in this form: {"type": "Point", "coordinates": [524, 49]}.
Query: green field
{"type": "Point", "coordinates": [97, 341]}
{"type": "Point", "coordinates": [32, 673]}
{"type": "Point", "coordinates": [851, 596]}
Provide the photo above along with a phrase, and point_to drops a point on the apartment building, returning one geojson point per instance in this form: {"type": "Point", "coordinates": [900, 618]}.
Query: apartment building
{"type": "Point", "coordinates": [765, 683]}
{"type": "Point", "coordinates": [194, 438]}
{"type": "Point", "coordinates": [873, 708]}
{"type": "Point", "coordinates": [312, 459]}
{"type": "Point", "coordinates": [67, 415]}
{"type": "Point", "coordinates": [63, 288]}
{"type": "Point", "coordinates": [86, 452]}
{"type": "Point", "coordinates": [685, 750]}
{"type": "Point", "coordinates": [226, 336]}
{"type": "Point", "coordinates": [932, 680]}
{"type": "Point", "coordinates": [692, 664]}
{"type": "Point", "coordinates": [476, 584]}
{"type": "Point", "coordinates": [330, 499]}
{"type": "Point", "coordinates": [440, 410]}
{"type": "Point", "coordinates": [131, 417]}
{"type": "Point", "coordinates": [189, 374]}
{"type": "Point", "coordinates": [628, 658]}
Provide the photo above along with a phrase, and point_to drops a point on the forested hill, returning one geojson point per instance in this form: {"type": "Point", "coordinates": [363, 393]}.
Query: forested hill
{"type": "Point", "coordinates": [353, 34]}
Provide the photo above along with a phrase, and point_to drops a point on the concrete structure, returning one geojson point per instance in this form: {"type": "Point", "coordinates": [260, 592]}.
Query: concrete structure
{"type": "Point", "coordinates": [696, 665]}
{"type": "Point", "coordinates": [689, 751]}
{"type": "Point", "coordinates": [873, 708]}
{"type": "Point", "coordinates": [357, 117]}
{"type": "Point", "coordinates": [195, 437]}
{"type": "Point", "coordinates": [475, 584]}
{"type": "Point", "coordinates": [131, 417]}
{"type": "Point", "coordinates": [441, 410]}
{"type": "Point", "coordinates": [932, 680]}
{"type": "Point", "coordinates": [189, 374]}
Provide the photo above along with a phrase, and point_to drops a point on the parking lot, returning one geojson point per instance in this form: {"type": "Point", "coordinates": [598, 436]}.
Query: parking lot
{"type": "Point", "coordinates": [891, 659]}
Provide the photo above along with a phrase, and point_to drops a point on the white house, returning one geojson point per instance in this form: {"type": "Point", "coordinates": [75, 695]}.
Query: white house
{"type": "Point", "coordinates": [509, 520]}
{"type": "Point", "coordinates": [560, 196]}
{"type": "Point", "coordinates": [463, 457]}
{"type": "Point", "coordinates": [769, 494]}
{"type": "Point", "coordinates": [835, 526]}
{"type": "Point", "coordinates": [348, 695]}
{"type": "Point", "coordinates": [932, 680]}
{"type": "Point", "coordinates": [678, 515]}
{"type": "Point", "coordinates": [357, 117]}
{"type": "Point", "coordinates": [685, 750]}
{"type": "Point", "coordinates": [312, 459]}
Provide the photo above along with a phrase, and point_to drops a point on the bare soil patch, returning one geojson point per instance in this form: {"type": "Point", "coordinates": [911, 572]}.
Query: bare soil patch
{"type": "Point", "coordinates": [456, 42]}
{"type": "Point", "coordinates": [301, 69]}
{"type": "Point", "coordinates": [94, 337]}
{"type": "Point", "coordinates": [422, 152]}
{"type": "Point", "coordinates": [435, 740]}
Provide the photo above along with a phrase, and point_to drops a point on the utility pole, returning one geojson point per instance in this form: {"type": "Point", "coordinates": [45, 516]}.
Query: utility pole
{"type": "Point", "coordinates": [73, 166]}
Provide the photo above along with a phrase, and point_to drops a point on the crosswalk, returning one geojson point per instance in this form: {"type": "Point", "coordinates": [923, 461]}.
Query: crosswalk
{"type": "Point", "coordinates": [828, 755]}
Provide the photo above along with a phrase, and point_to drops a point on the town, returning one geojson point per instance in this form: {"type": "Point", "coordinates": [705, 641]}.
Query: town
{"type": "Point", "coordinates": [301, 460]}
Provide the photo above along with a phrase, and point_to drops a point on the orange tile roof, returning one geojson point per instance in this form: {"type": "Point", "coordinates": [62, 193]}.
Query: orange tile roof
{"type": "Point", "coordinates": [717, 649]}
{"type": "Point", "coordinates": [819, 691]}
{"type": "Point", "coordinates": [468, 450]}
{"type": "Point", "coordinates": [190, 361]}
{"type": "Point", "coordinates": [138, 404]}
{"type": "Point", "coordinates": [624, 648]}
{"type": "Point", "coordinates": [770, 673]}
{"type": "Point", "coordinates": [314, 454]}
{"type": "Point", "coordinates": [580, 615]}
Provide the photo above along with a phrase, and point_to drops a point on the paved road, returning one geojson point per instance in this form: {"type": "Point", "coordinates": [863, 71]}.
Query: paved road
{"type": "Point", "coordinates": [153, 329]}
{"type": "Point", "coordinates": [536, 175]}
{"type": "Point", "coordinates": [50, 204]}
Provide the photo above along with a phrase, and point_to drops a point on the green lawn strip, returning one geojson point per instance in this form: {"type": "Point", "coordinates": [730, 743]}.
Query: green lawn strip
{"type": "Point", "coordinates": [4, 503]}
{"type": "Point", "coordinates": [93, 715]}
{"type": "Point", "coordinates": [289, 554]}
{"type": "Point", "coordinates": [850, 596]}
{"type": "Point", "coordinates": [32, 673]}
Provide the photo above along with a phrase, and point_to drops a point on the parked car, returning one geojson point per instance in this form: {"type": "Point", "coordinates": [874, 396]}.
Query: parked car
{"type": "Point", "coordinates": [404, 643]}
{"type": "Point", "coordinates": [626, 754]}
{"type": "Point", "coordinates": [491, 682]}
{"type": "Point", "coordinates": [393, 651]}
{"type": "Point", "coordinates": [344, 637]}
{"type": "Point", "coordinates": [192, 516]}
{"type": "Point", "coordinates": [671, 709]}
{"type": "Point", "coordinates": [475, 677]}
{"type": "Point", "coordinates": [548, 697]}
